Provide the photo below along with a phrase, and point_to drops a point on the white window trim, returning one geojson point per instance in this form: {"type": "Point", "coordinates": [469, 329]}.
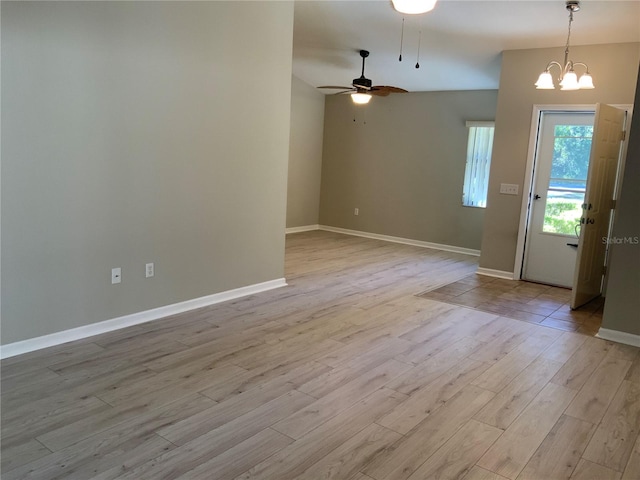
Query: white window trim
{"type": "Point", "coordinates": [469, 173]}
{"type": "Point", "coordinates": [473, 123]}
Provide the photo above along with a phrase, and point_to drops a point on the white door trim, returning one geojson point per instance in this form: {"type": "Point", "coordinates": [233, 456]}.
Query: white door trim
{"type": "Point", "coordinates": [527, 186]}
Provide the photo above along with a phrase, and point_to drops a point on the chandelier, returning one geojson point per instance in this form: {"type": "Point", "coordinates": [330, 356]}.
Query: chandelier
{"type": "Point", "coordinates": [568, 78]}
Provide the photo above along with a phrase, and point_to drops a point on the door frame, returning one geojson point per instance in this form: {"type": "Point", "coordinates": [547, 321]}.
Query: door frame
{"type": "Point", "coordinates": [546, 257]}
{"type": "Point", "coordinates": [527, 186]}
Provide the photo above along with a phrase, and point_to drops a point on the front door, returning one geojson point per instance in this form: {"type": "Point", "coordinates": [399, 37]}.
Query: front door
{"type": "Point", "coordinates": [560, 178]}
{"type": "Point", "coordinates": [598, 204]}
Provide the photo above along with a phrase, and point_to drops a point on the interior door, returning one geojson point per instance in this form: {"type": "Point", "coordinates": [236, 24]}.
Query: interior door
{"type": "Point", "coordinates": [598, 203]}
{"type": "Point", "coordinates": [561, 165]}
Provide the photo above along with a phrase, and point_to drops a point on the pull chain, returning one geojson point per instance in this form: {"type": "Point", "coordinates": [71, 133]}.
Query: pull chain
{"type": "Point", "coordinates": [419, 41]}
{"type": "Point", "coordinates": [363, 113]}
{"type": "Point", "coordinates": [401, 40]}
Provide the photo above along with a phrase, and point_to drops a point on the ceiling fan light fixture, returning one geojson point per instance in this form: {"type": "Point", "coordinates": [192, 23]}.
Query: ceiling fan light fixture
{"type": "Point", "coordinates": [360, 98]}
{"type": "Point", "coordinates": [362, 90]}
{"type": "Point", "coordinates": [413, 7]}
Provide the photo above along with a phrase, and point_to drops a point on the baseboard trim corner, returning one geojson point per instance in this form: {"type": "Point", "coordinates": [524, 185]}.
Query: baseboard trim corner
{"type": "Point", "coordinates": [78, 333]}
{"type": "Point", "coordinates": [404, 241]}
{"type": "Point", "coordinates": [619, 337]}
{"type": "Point", "coordinates": [490, 272]}
{"type": "Point", "coordinates": [303, 228]}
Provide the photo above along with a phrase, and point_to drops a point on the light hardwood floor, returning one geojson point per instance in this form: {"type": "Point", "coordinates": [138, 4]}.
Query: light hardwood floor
{"type": "Point", "coordinates": [531, 302]}
{"type": "Point", "coordinates": [344, 374]}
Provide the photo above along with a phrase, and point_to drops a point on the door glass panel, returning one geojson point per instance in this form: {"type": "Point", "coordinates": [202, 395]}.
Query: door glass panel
{"type": "Point", "coordinates": [568, 180]}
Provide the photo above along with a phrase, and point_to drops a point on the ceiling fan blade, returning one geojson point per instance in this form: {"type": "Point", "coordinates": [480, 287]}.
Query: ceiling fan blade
{"type": "Point", "coordinates": [379, 92]}
{"type": "Point", "coordinates": [353, 90]}
{"type": "Point", "coordinates": [390, 89]}
{"type": "Point", "coordinates": [337, 87]}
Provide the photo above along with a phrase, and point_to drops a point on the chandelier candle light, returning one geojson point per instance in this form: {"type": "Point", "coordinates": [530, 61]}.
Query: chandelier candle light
{"type": "Point", "coordinates": [568, 78]}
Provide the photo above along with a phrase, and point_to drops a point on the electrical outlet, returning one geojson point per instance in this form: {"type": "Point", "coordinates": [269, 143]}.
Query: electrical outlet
{"type": "Point", "coordinates": [149, 270]}
{"type": "Point", "coordinates": [116, 275]}
{"type": "Point", "coordinates": [509, 189]}
{"type": "Point", "coordinates": [356, 211]}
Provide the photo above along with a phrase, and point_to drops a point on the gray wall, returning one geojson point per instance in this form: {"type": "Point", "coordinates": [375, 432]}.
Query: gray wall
{"type": "Point", "coordinates": [135, 132]}
{"type": "Point", "coordinates": [614, 69]}
{"type": "Point", "coordinates": [623, 288]}
{"type": "Point", "coordinates": [305, 154]}
{"type": "Point", "coordinates": [400, 160]}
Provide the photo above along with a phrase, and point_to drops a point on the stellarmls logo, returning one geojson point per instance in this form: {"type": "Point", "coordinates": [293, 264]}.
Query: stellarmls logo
{"type": "Point", "coordinates": [621, 240]}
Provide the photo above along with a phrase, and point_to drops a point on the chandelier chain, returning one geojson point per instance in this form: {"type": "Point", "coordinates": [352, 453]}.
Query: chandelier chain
{"type": "Point", "coordinates": [566, 48]}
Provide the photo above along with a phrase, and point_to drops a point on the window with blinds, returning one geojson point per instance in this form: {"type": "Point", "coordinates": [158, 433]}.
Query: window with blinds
{"type": "Point", "coordinates": [476, 175]}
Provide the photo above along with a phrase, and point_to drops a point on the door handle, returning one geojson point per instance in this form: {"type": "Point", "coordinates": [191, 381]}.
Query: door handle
{"type": "Point", "coordinates": [536, 197]}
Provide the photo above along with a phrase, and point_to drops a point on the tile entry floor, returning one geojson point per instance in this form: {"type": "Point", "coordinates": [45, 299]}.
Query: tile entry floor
{"type": "Point", "coordinates": [531, 302]}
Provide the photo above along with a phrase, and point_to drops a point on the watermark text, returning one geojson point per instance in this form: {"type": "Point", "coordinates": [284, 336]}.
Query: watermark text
{"type": "Point", "coordinates": [621, 240]}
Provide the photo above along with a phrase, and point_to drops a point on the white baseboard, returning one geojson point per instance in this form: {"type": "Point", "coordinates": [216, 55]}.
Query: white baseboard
{"type": "Point", "coordinates": [58, 338]}
{"type": "Point", "coordinates": [490, 272]}
{"type": "Point", "coordinates": [619, 337]}
{"type": "Point", "coordinates": [405, 241]}
{"type": "Point", "coordinates": [304, 228]}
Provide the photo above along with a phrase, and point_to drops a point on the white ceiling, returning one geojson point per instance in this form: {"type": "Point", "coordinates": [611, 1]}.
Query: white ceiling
{"type": "Point", "coordinates": [461, 40]}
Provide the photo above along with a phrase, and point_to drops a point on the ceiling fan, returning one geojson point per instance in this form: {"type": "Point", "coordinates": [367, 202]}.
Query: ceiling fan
{"type": "Point", "coordinates": [362, 88]}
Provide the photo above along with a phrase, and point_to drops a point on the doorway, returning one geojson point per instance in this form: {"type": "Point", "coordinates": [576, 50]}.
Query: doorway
{"type": "Point", "coordinates": [558, 188]}
{"type": "Point", "coordinates": [603, 182]}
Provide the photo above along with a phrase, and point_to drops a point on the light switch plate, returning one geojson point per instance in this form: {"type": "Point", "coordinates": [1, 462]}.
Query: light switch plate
{"type": "Point", "coordinates": [509, 188]}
